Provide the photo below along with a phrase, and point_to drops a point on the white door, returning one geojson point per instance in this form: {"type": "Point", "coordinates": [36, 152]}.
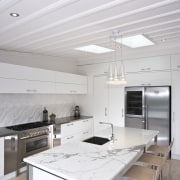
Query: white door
{"type": "Point", "coordinates": [116, 105]}
{"type": "Point", "coordinates": [100, 102]}
{"type": "Point", "coordinates": [176, 113]}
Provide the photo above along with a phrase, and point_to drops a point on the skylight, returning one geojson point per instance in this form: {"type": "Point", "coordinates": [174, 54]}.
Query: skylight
{"type": "Point", "coordinates": [94, 49]}
{"type": "Point", "coordinates": [135, 41]}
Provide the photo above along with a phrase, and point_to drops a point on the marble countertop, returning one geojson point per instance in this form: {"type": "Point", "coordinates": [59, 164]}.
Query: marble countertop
{"type": "Point", "coordinates": [6, 132]}
{"type": "Point", "coordinates": [70, 119]}
{"type": "Point", "coordinates": [85, 161]}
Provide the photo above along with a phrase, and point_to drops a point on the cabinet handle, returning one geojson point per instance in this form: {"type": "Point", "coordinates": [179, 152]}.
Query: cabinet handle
{"type": "Point", "coordinates": [31, 90]}
{"type": "Point", "coordinates": [85, 132]}
{"type": "Point", "coordinates": [70, 137]}
{"type": "Point", "coordinates": [13, 143]}
{"type": "Point", "coordinates": [105, 113]}
{"type": "Point", "coordinates": [85, 121]}
{"type": "Point", "coordinates": [173, 118]}
{"type": "Point", "coordinates": [146, 69]}
{"type": "Point", "coordinates": [178, 66]}
{"type": "Point", "coordinates": [70, 124]}
{"type": "Point", "coordinates": [122, 112]}
{"type": "Point", "coordinates": [148, 84]}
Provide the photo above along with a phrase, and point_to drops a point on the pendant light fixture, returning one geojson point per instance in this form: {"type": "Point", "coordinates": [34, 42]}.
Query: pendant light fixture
{"type": "Point", "coordinates": [116, 76]}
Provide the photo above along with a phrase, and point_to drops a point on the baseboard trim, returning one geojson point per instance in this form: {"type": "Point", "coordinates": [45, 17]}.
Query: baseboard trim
{"type": "Point", "coordinates": [175, 156]}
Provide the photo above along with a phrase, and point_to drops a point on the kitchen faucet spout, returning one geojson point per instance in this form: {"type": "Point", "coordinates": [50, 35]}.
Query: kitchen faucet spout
{"type": "Point", "coordinates": [112, 130]}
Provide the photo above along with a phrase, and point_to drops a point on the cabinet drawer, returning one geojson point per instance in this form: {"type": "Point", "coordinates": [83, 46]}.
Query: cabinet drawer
{"type": "Point", "coordinates": [70, 138]}
{"type": "Point", "coordinates": [70, 128]}
{"type": "Point", "coordinates": [86, 124]}
{"type": "Point", "coordinates": [86, 134]}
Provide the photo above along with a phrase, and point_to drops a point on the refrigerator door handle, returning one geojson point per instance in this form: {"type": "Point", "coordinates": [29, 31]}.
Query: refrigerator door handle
{"type": "Point", "coordinates": [146, 117]}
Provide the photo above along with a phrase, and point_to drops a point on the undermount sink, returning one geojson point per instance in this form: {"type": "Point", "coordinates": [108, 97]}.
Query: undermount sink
{"type": "Point", "coordinates": [96, 140]}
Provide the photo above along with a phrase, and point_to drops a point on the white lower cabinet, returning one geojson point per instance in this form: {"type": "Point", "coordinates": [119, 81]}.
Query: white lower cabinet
{"type": "Point", "coordinates": [176, 114]}
{"type": "Point", "coordinates": [1, 156]}
{"type": "Point", "coordinates": [77, 130]}
{"type": "Point", "coordinates": [36, 174]}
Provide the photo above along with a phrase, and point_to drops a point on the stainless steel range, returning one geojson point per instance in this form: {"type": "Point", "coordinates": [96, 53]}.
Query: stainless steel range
{"type": "Point", "coordinates": [32, 138]}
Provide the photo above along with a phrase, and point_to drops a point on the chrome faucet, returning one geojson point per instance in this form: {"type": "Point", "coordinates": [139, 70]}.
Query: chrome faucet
{"type": "Point", "coordinates": [112, 128]}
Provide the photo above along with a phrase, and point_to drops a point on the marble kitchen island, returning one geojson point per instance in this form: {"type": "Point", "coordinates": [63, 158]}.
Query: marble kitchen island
{"type": "Point", "coordinates": [85, 161]}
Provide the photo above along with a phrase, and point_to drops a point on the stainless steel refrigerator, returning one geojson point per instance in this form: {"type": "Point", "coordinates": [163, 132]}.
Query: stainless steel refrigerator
{"type": "Point", "coordinates": [149, 108]}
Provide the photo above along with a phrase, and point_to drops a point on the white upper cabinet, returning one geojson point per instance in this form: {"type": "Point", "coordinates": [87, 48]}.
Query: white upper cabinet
{"type": "Point", "coordinates": [147, 64]}
{"type": "Point", "coordinates": [66, 83]}
{"type": "Point", "coordinates": [24, 86]}
{"type": "Point", "coordinates": [62, 88]}
{"type": "Point", "coordinates": [25, 73]}
{"type": "Point", "coordinates": [70, 78]}
{"type": "Point", "coordinates": [21, 79]}
{"type": "Point", "coordinates": [175, 62]}
{"type": "Point", "coordinates": [94, 69]}
{"type": "Point", "coordinates": [149, 79]}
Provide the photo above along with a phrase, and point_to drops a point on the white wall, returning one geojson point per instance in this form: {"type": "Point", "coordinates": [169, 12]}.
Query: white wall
{"type": "Point", "coordinates": [39, 61]}
{"type": "Point", "coordinates": [23, 108]}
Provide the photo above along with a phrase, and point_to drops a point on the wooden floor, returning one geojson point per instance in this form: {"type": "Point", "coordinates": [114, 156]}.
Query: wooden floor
{"type": "Point", "coordinates": [173, 167]}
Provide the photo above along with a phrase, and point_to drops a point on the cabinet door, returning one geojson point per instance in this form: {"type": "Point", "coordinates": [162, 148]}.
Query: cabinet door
{"type": "Point", "coordinates": [175, 62]}
{"type": "Point", "coordinates": [1, 156]}
{"type": "Point", "coordinates": [70, 138]}
{"type": "Point", "coordinates": [148, 64]}
{"type": "Point", "coordinates": [100, 102]}
{"type": "Point", "coordinates": [70, 78]}
{"type": "Point", "coordinates": [176, 113]}
{"type": "Point", "coordinates": [149, 79]}
{"type": "Point", "coordinates": [24, 86]}
{"type": "Point", "coordinates": [25, 73]}
{"type": "Point", "coordinates": [69, 129]}
{"type": "Point", "coordinates": [116, 105]}
{"type": "Point", "coordinates": [61, 88]}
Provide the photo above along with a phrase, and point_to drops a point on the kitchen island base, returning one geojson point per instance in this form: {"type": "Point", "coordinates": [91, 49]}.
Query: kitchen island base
{"type": "Point", "coordinates": [35, 173]}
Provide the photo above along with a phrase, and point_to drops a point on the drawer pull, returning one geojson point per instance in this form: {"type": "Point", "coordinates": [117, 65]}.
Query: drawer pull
{"type": "Point", "coordinates": [70, 124]}
{"type": "Point", "coordinates": [70, 137]}
{"type": "Point", "coordinates": [85, 132]}
{"type": "Point", "coordinates": [85, 120]}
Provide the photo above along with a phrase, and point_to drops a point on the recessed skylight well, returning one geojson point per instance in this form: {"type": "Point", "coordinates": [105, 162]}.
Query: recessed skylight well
{"type": "Point", "coordinates": [94, 49]}
{"type": "Point", "coordinates": [135, 41]}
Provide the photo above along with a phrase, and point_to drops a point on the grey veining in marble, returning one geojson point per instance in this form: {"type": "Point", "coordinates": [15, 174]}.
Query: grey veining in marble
{"type": "Point", "coordinates": [25, 108]}
{"type": "Point", "coordinates": [85, 161]}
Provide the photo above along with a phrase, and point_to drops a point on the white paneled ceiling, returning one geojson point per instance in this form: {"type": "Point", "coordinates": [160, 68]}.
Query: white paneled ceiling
{"type": "Point", "coordinates": [56, 27]}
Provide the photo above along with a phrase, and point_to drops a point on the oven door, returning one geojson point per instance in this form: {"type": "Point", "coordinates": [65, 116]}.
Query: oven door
{"type": "Point", "coordinates": [32, 146]}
